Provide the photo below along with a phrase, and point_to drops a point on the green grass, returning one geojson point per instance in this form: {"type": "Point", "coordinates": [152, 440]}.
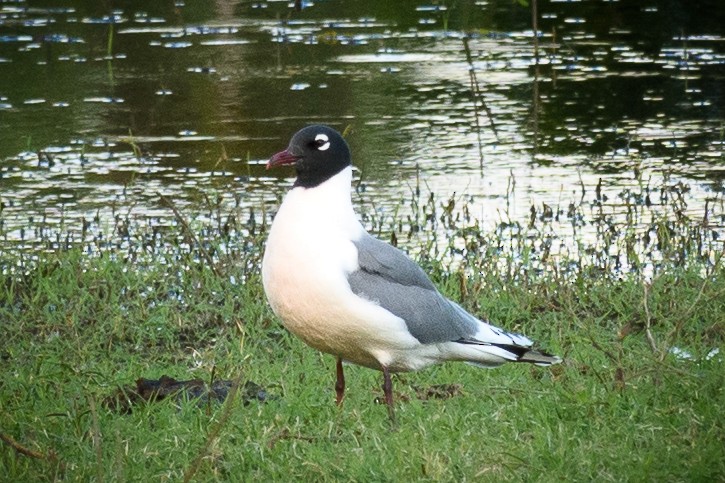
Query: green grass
{"type": "Point", "coordinates": [621, 407]}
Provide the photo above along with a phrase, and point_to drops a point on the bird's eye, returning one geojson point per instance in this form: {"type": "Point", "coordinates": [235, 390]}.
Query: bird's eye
{"type": "Point", "coordinates": [322, 142]}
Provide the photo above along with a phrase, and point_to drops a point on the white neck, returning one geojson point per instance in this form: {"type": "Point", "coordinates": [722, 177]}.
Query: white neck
{"type": "Point", "coordinates": [328, 203]}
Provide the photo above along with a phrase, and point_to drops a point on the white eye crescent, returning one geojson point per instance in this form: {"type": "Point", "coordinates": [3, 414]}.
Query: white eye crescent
{"type": "Point", "coordinates": [322, 142]}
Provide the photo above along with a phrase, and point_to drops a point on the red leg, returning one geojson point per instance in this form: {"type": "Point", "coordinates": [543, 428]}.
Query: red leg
{"type": "Point", "coordinates": [340, 383]}
{"type": "Point", "coordinates": [388, 391]}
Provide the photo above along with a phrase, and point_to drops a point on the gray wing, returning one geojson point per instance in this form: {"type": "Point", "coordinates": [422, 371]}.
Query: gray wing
{"type": "Point", "coordinates": [388, 277]}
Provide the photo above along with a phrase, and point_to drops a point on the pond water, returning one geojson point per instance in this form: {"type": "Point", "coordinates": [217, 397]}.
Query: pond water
{"type": "Point", "coordinates": [103, 110]}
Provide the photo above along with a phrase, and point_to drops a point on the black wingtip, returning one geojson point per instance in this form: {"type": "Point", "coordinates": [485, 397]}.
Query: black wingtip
{"type": "Point", "coordinates": [522, 354]}
{"type": "Point", "coordinates": [539, 358]}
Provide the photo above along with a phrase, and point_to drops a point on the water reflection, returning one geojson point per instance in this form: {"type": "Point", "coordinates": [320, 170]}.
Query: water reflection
{"type": "Point", "coordinates": [102, 110]}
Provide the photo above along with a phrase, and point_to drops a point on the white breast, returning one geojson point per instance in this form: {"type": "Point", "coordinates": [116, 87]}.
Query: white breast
{"type": "Point", "coordinates": [308, 255]}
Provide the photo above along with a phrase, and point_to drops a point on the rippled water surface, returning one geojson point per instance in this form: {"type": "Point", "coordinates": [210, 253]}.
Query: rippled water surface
{"type": "Point", "coordinates": [104, 110]}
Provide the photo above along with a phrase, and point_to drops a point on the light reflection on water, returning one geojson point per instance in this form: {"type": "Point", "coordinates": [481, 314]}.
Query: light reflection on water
{"type": "Point", "coordinates": [189, 104]}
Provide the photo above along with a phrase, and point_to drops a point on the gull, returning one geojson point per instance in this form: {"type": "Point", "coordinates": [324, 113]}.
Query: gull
{"type": "Point", "coordinates": [346, 293]}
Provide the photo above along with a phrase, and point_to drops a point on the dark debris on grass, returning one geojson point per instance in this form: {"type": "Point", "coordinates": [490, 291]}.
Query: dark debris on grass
{"type": "Point", "coordinates": [147, 391]}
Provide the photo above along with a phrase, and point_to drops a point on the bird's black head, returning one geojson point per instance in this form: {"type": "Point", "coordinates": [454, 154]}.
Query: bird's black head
{"type": "Point", "coordinates": [318, 153]}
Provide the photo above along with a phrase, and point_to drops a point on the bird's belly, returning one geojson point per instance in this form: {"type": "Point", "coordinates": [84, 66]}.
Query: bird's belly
{"type": "Point", "coordinates": [326, 323]}
{"type": "Point", "coordinates": [325, 313]}
{"type": "Point", "coordinates": [359, 345]}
